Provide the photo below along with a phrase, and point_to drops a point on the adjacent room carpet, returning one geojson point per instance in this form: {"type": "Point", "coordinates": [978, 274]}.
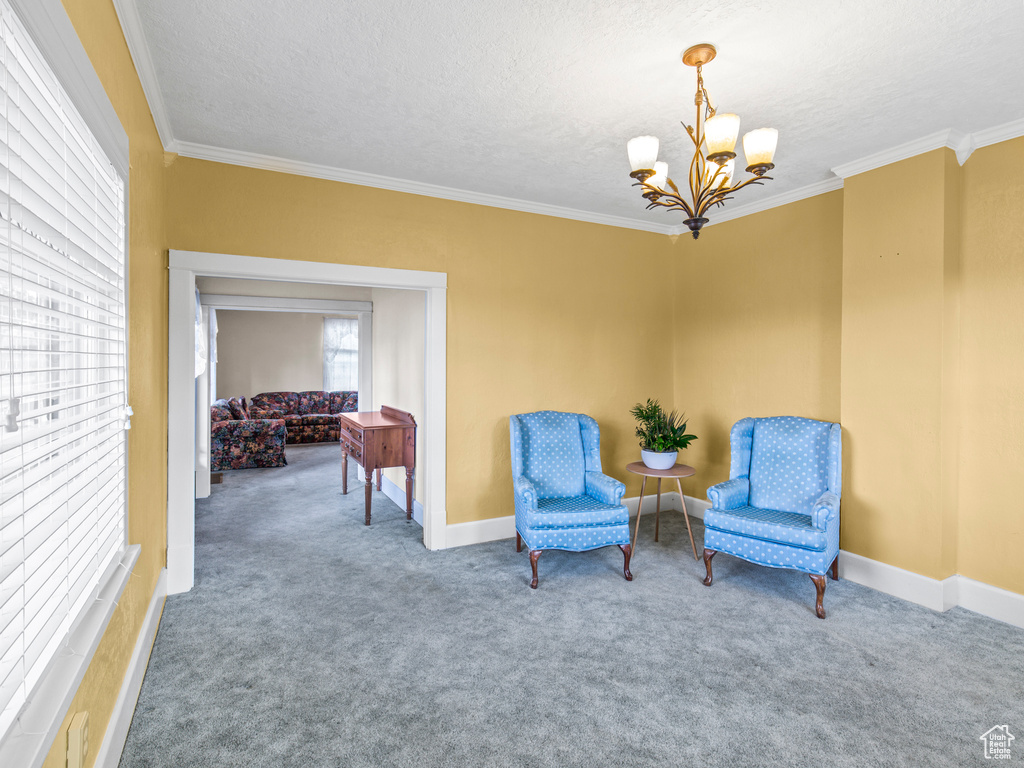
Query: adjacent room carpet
{"type": "Point", "coordinates": [312, 640]}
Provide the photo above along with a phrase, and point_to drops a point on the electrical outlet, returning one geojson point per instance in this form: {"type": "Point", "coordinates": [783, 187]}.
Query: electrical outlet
{"type": "Point", "coordinates": [78, 740]}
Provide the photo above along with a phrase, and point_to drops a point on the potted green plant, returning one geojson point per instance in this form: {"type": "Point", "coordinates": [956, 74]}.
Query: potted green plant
{"type": "Point", "coordinates": [662, 435]}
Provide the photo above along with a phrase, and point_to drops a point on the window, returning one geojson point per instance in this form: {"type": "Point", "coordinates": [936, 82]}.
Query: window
{"type": "Point", "coordinates": [63, 408]}
{"type": "Point", "coordinates": [341, 354]}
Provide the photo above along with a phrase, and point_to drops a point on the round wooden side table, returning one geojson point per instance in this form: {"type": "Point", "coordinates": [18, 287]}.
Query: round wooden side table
{"type": "Point", "coordinates": [677, 471]}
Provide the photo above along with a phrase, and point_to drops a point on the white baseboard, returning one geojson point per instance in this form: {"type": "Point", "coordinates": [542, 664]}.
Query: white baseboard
{"type": "Point", "coordinates": [898, 582]}
{"type": "Point", "coordinates": [109, 754]}
{"type": "Point", "coordinates": [939, 595]}
{"type": "Point", "coordinates": [990, 601]}
{"type": "Point", "coordinates": [479, 531]}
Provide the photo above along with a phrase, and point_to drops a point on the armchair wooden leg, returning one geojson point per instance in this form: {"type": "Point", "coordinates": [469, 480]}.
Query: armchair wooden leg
{"type": "Point", "coordinates": [534, 554]}
{"type": "Point", "coordinates": [835, 569]}
{"type": "Point", "coordinates": [627, 551]}
{"type": "Point", "coordinates": [708, 554]}
{"type": "Point", "coordinates": [819, 584]}
{"type": "Point", "coordinates": [519, 542]}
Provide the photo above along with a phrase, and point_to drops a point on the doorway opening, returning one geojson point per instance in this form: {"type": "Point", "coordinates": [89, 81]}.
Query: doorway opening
{"type": "Point", "coordinates": [185, 267]}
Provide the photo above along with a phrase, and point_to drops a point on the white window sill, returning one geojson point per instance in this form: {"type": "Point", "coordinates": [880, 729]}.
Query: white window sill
{"type": "Point", "coordinates": [31, 737]}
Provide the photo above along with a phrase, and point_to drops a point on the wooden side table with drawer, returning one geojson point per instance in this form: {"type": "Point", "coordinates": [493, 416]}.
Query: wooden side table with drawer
{"type": "Point", "coordinates": [376, 440]}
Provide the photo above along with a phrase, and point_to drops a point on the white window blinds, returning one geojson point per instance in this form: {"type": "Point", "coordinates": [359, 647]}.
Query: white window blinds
{"type": "Point", "coordinates": [341, 354]}
{"type": "Point", "coordinates": [62, 366]}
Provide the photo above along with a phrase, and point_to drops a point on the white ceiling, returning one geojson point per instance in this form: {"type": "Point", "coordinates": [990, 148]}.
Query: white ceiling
{"type": "Point", "coordinates": [534, 100]}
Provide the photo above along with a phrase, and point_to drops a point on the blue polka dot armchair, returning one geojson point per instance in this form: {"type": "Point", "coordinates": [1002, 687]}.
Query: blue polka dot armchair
{"type": "Point", "coordinates": [563, 500]}
{"type": "Point", "coordinates": [780, 506]}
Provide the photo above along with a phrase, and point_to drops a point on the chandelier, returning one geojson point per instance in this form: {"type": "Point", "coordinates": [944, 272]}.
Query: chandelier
{"type": "Point", "coordinates": [712, 177]}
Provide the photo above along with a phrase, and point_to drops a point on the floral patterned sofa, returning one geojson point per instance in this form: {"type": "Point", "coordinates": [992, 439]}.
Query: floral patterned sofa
{"type": "Point", "coordinates": [239, 441]}
{"type": "Point", "coordinates": [311, 417]}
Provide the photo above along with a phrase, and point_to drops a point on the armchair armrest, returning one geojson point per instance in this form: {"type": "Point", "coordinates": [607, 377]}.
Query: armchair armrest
{"type": "Point", "coordinates": [604, 488]}
{"type": "Point", "coordinates": [732, 494]}
{"type": "Point", "coordinates": [526, 493]}
{"type": "Point", "coordinates": [825, 508]}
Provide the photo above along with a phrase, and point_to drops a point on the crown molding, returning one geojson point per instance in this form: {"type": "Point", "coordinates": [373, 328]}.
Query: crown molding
{"type": "Point", "coordinates": [283, 165]}
{"type": "Point", "coordinates": [783, 198]}
{"type": "Point", "coordinates": [946, 138]}
{"type": "Point", "coordinates": [131, 26]}
{"type": "Point", "coordinates": [962, 143]}
{"type": "Point", "coordinates": [1004, 132]}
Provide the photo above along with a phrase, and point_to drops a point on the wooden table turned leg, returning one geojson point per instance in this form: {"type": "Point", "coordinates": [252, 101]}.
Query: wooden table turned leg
{"type": "Point", "coordinates": [686, 517]}
{"type": "Point", "coordinates": [369, 493]}
{"type": "Point", "coordinates": [344, 471]}
{"type": "Point", "coordinates": [408, 493]}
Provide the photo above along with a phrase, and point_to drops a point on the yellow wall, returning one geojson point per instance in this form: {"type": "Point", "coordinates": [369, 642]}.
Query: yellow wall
{"type": "Point", "coordinates": [98, 28]}
{"type": "Point", "coordinates": [542, 312]}
{"type": "Point", "coordinates": [892, 307]}
{"type": "Point", "coordinates": [757, 316]}
{"type": "Point", "coordinates": [991, 523]}
{"type": "Point", "coordinates": [896, 261]}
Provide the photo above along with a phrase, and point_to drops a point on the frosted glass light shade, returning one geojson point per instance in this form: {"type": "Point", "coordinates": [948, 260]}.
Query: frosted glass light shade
{"type": "Point", "coordinates": [759, 146]}
{"type": "Point", "coordinates": [643, 152]}
{"type": "Point", "coordinates": [728, 170]}
{"type": "Point", "coordinates": [660, 175]}
{"type": "Point", "coordinates": [717, 178]}
{"type": "Point", "coordinates": [720, 133]}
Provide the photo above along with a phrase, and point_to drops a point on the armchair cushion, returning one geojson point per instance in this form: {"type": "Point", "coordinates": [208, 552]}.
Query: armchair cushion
{"type": "Point", "coordinates": [732, 494]}
{"type": "Point", "coordinates": [552, 453]}
{"type": "Point", "coordinates": [790, 528]}
{"type": "Point", "coordinates": [789, 463]}
{"type": "Point", "coordinates": [575, 512]}
{"type": "Point", "coordinates": [605, 489]}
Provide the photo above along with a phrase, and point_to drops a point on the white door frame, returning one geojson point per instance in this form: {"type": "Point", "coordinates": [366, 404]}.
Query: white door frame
{"type": "Point", "coordinates": [184, 267]}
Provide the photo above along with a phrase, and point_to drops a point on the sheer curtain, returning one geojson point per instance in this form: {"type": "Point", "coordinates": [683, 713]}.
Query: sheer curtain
{"type": "Point", "coordinates": [341, 354]}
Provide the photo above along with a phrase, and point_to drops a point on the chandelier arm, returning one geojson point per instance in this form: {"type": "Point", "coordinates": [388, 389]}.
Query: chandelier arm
{"type": "Point", "coordinates": [729, 190]}
{"type": "Point", "coordinates": [717, 199]}
{"type": "Point", "coordinates": [719, 195]}
{"type": "Point", "coordinates": [674, 200]}
{"type": "Point", "coordinates": [748, 182]}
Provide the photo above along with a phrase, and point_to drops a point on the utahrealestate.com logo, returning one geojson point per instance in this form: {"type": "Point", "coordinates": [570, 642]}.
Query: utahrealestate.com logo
{"type": "Point", "coordinates": [997, 742]}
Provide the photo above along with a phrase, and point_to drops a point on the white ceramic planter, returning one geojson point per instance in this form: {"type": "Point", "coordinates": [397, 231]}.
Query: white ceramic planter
{"type": "Point", "coordinates": [655, 460]}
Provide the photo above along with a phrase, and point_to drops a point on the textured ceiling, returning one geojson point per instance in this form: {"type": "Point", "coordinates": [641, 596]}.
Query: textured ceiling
{"type": "Point", "coordinates": [535, 99]}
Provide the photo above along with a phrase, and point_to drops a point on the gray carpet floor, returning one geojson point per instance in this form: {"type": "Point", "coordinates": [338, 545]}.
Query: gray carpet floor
{"type": "Point", "coordinates": [312, 640]}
